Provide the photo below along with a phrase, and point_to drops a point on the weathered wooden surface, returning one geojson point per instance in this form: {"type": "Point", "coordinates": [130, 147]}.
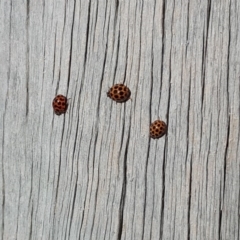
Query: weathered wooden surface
{"type": "Point", "coordinates": [94, 173]}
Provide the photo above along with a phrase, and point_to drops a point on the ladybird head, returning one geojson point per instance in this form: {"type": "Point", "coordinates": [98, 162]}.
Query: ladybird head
{"type": "Point", "coordinates": [109, 94]}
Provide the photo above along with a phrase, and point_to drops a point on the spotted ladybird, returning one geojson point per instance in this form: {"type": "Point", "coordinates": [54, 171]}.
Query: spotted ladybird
{"type": "Point", "coordinates": [157, 129]}
{"type": "Point", "coordinates": [119, 93]}
{"type": "Point", "coordinates": [60, 104]}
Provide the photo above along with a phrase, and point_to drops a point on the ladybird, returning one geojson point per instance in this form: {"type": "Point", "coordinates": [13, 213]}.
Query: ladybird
{"type": "Point", "coordinates": [60, 104]}
{"type": "Point", "coordinates": [157, 129]}
{"type": "Point", "coordinates": [119, 93]}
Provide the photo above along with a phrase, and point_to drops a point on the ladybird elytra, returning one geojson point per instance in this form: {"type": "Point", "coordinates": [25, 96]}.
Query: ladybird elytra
{"type": "Point", "coordinates": [119, 93]}
{"type": "Point", "coordinates": [60, 104]}
{"type": "Point", "coordinates": [158, 129]}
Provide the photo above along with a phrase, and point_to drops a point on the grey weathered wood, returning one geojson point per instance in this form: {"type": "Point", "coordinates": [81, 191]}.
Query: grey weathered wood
{"type": "Point", "coordinates": [94, 173]}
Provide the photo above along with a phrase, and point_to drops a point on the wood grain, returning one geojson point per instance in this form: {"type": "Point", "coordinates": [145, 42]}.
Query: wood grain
{"type": "Point", "coordinates": [94, 173]}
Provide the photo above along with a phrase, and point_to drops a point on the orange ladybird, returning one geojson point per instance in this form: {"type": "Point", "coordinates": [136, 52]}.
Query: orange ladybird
{"type": "Point", "coordinates": [119, 93]}
{"type": "Point", "coordinates": [60, 104]}
{"type": "Point", "coordinates": [157, 129]}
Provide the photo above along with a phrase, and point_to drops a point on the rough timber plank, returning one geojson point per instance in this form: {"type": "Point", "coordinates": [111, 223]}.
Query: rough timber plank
{"type": "Point", "coordinates": [93, 173]}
